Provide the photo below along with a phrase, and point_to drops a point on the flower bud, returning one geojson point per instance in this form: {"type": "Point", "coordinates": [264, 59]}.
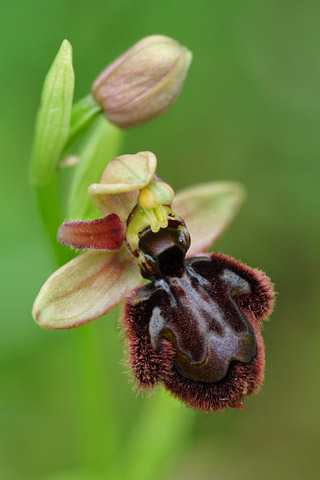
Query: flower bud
{"type": "Point", "coordinates": [144, 82]}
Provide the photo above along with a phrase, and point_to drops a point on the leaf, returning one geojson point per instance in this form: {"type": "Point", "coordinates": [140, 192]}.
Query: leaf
{"type": "Point", "coordinates": [53, 119]}
{"type": "Point", "coordinates": [207, 209]}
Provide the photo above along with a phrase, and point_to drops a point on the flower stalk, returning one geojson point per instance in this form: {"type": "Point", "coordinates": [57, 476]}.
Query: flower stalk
{"type": "Point", "coordinates": [102, 145]}
{"type": "Point", "coordinates": [97, 434]}
{"type": "Point", "coordinates": [82, 115]}
{"type": "Point", "coordinates": [161, 429]}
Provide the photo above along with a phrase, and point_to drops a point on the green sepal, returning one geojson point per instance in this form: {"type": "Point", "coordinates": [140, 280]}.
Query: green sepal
{"type": "Point", "coordinates": [207, 209]}
{"type": "Point", "coordinates": [53, 119]}
{"type": "Point", "coordinates": [101, 146]}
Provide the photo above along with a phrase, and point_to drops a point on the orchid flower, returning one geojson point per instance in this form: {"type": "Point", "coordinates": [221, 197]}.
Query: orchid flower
{"type": "Point", "coordinates": [195, 326]}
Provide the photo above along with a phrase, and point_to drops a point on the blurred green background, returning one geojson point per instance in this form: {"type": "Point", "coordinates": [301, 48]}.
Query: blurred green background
{"type": "Point", "coordinates": [249, 112]}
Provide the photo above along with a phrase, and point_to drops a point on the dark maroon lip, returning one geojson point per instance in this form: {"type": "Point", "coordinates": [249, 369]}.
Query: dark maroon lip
{"type": "Point", "coordinates": [199, 332]}
{"type": "Point", "coordinates": [225, 377]}
{"type": "Point", "coordinates": [202, 321]}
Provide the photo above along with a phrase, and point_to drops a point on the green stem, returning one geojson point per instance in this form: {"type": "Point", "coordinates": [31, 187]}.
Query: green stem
{"type": "Point", "coordinates": [50, 215]}
{"type": "Point", "coordinates": [100, 147]}
{"type": "Point", "coordinates": [97, 437]}
{"type": "Point", "coordinates": [82, 114]}
{"type": "Point", "coordinates": [95, 425]}
{"type": "Point", "coordinates": [156, 437]}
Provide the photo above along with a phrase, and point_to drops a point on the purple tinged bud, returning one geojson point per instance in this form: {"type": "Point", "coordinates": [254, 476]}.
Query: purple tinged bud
{"type": "Point", "coordinates": [144, 82]}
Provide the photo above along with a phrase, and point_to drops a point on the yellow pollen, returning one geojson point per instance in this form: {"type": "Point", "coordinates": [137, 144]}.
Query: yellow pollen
{"type": "Point", "coordinates": [156, 217]}
{"type": "Point", "coordinates": [155, 194]}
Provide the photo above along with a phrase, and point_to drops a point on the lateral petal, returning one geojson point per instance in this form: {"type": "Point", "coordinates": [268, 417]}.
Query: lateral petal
{"type": "Point", "coordinates": [103, 233]}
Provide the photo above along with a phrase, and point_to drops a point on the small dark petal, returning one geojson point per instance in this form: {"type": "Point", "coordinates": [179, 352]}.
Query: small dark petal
{"type": "Point", "coordinates": [198, 332]}
{"type": "Point", "coordinates": [105, 233]}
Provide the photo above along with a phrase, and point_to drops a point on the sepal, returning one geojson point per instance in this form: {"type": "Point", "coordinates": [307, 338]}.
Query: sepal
{"type": "Point", "coordinates": [207, 209]}
{"type": "Point", "coordinates": [85, 288]}
{"type": "Point", "coordinates": [121, 181]}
